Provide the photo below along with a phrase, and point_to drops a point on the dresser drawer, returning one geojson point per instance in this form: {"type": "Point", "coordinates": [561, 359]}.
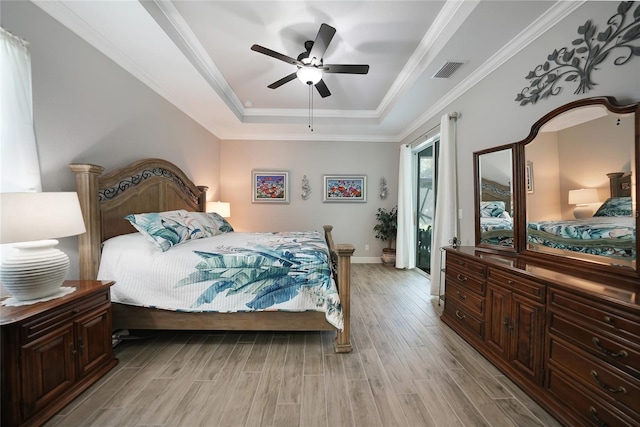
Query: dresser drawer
{"type": "Point", "coordinates": [517, 284]}
{"type": "Point", "coordinates": [609, 348]}
{"type": "Point", "coordinates": [464, 318]}
{"type": "Point", "coordinates": [464, 281]}
{"type": "Point", "coordinates": [467, 300]}
{"type": "Point", "coordinates": [583, 405]}
{"type": "Point", "coordinates": [612, 384]}
{"type": "Point", "coordinates": [597, 316]}
{"type": "Point", "coordinates": [465, 266]}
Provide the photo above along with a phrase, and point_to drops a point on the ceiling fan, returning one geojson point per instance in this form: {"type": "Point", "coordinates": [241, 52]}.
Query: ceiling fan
{"type": "Point", "coordinates": [310, 64]}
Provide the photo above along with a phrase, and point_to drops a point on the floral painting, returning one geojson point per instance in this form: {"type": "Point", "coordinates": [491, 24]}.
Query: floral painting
{"type": "Point", "coordinates": [270, 187]}
{"type": "Point", "coordinates": [345, 188]}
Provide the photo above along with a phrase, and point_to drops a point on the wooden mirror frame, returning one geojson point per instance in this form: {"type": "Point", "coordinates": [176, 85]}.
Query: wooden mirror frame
{"type": "Point", "coordinates": [579, 267]}
{"type": "Point", "coordinates": [477, 182]}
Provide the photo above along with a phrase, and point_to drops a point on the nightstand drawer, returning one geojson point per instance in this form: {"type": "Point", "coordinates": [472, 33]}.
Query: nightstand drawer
{"type": "Point", "coordinates": [64, 313]}
{"type": "Point", "coordinates": [612, 384]}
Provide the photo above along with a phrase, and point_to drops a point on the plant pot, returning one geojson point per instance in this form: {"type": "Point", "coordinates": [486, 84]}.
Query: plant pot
{"type": "Point", "coordinates": [388, 257]}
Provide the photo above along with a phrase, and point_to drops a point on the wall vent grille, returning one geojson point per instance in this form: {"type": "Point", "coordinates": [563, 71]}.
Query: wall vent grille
{"type": "Point", "coordinates": [447, 70]}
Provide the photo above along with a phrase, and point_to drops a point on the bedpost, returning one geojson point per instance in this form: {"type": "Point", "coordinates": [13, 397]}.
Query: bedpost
{"type": "Point", "coordinates": [343, 252]}
{"type": "Point", "coordinates": [88, 243]}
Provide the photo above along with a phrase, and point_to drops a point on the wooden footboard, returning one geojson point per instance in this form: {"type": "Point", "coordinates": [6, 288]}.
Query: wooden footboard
{"type": "Point", "coordinates": [154, 185]}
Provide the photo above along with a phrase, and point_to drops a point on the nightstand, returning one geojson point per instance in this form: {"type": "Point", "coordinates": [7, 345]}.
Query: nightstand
{"type": "Point", "coordinates": [54, 350]}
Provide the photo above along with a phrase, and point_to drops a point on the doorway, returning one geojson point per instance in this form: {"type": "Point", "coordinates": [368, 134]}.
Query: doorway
{"type": "Point", "coordinates": [427, 173]}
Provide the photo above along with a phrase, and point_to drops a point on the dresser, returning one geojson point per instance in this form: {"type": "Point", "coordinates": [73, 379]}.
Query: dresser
{"type": "Point", "coordinates": [54, 350]}
{"type": "Point", "coordinates": [572, 344]}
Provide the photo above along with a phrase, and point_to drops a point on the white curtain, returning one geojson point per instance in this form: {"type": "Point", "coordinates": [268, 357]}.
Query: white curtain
{"type": "Point", "coordinates": [405, 242]}
{"type": "Point", "coordinates": [445, 221]}
{"type": "Point", "coordinates": [20, 168]}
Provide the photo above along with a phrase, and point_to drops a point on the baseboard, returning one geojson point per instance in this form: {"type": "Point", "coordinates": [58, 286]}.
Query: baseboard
{"type": "Point", "coordinates": [365, 260]}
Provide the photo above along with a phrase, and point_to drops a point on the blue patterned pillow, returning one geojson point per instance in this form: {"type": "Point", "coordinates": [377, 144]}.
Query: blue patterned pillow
{"type": "Point", "coordinates": [167, 229]}
{"type": "Point", "coordinates": [615, 206]}
{"type": "Point", "coordinates": [493, 209]}
{"type": "Point", "coordinates": [221, 224]}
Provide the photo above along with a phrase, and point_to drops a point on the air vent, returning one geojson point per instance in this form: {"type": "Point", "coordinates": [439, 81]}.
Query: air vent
{"type": "Point", "coordinates": [447, 70]}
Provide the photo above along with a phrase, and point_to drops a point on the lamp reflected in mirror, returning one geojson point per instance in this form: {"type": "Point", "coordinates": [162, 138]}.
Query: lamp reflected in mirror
{"type": "Point", "coordinates": [583, 198]}
{"type": "Point", "coordinates": [221, 208]}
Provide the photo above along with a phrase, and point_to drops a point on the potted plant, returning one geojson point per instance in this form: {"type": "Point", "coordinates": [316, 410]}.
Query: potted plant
{"type": "Point", "coordinates": [386, 230]}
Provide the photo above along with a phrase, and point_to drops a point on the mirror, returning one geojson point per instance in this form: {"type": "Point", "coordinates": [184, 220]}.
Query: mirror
{"type": "Point", "coordinates": [494, 197]}
{"type": "Point", "coordinates": [580, 184]}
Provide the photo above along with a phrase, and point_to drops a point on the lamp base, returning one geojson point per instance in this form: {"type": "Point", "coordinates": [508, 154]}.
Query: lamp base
{"type": "Point", "coordinates": [36, 270]}
{"type": "Point", "coordinates": [582, 212]}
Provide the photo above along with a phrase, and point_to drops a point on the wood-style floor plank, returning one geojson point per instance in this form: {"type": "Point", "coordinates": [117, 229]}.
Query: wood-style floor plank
{"type": "Point", "coordinates": [406, 369]}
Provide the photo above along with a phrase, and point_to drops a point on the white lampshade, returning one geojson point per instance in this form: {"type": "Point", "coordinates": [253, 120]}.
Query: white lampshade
{"type": "Point", "coordinates": [581, 198]}
{"type": "Point", "coordinates": [309, 74]}
{"type": "Point", "coordinates": [221, 208]}
{"type": "Point", "coordinates": [31, 221]}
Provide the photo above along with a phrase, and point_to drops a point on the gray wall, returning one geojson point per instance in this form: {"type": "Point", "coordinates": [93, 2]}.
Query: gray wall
{"type": "Point", "coordinates": [89, 109]}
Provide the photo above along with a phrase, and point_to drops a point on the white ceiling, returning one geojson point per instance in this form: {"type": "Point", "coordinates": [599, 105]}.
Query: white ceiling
{"type": "Point", "coordinates": [197, 55]}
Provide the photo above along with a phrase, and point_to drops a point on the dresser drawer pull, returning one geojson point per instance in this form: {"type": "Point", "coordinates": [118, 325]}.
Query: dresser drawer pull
{"type": "Point", "coordinates": [461, 278]}
{"type": "Point", "coordinates": [461, 262]}
{"type": "Point", "coordinates": [460, 316]}
{"type": "Point", "coordinates": [461, 296]}
{"type": "Point", "coordinates": [596, 378]}
{"type": "Point", "coordinates": [621, 353]}
{"type": "Point", "coordinates": [608, 319]}
{"type": "Point", "coordinates": [596, 418]}
{"type": "Point", "coordinates": [510, 282]}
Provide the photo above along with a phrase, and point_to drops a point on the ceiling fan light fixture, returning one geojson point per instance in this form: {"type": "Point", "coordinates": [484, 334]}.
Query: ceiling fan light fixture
{"type": "Point", "coordinates": [309, 75]}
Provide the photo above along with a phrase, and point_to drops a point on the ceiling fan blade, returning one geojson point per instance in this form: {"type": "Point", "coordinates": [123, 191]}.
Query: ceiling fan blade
{"type": "Point", "coordinates": [345, 69]}
{"type": "Point", "coordinates": [323, 90]}
{"type": "Point", "coordinates": [325, 34]}
{"type": "Point", "coordinates": [282, 81]}
{"type": "Point", "coordinates": [274, 54]}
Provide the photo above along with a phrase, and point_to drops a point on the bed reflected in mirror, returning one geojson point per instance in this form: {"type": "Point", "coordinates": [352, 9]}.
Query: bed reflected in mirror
{"type": "Point", "coordinates": [579, 200]}
{"type": "Point", "coordinates": [494, 197]}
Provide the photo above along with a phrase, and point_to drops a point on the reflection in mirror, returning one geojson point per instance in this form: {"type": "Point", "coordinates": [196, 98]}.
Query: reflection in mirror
{"type": "Point", "coordinates": [496, 197]}
{"type": "Point", "coordinates": [581, 204]}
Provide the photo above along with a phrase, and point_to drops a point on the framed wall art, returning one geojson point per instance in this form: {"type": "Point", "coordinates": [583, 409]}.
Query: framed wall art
{"type": "Point", "coordinates": [345, 188]}
{"type": "Point", "coordinates": [270, 186]}
{"type": "Point", "coordinates": [529, 177]}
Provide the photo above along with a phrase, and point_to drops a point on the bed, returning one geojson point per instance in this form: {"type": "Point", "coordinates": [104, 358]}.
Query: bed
{"type": "Point", "coordinates": [609, 233]}
{"type": "Point", "coordinates": [496, 222]}
{"type": "Point", "coordinates": [120, 206]}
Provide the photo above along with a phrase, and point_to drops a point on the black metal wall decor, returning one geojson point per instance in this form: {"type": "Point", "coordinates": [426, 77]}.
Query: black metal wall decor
{"type": "Point", "coordinates": [588, 51]}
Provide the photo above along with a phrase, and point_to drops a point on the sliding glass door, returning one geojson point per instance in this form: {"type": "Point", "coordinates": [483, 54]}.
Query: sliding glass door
{"type": "Point", "coordinates": [427, 165]}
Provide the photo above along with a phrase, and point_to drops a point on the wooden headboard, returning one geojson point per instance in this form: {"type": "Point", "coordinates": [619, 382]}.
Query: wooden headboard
{"type": "Point", "coordinates": [148, 185]}
{"type": "Point", "coordinates": [619, 184]}
{"type": "Point", "coordinates": [494, 191]}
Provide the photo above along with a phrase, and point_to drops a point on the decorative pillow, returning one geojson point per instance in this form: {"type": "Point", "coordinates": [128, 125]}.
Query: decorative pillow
{"type": "Point", "coordinates": [167, 229]}
{"type": "Point", "coordinates": [493, 209]}
{"type": "Point", "coordinates": [220, 223]}
{"type": "Point", "coordinates": [210, 227]}
{"type": "Point", "coordinates": [615, 206]}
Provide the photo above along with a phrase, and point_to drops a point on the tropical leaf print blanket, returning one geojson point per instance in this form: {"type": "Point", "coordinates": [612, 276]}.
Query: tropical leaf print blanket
{"type": "Point", "coordinates": [231, 272]}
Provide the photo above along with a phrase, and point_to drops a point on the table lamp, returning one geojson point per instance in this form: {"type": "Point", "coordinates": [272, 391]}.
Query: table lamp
{"type": "Point", "coordinates": [221, 208]}
{"type": "Point", "coordinates": [582, 198]}
{"type": "Point", "coordinates": [35, 269]}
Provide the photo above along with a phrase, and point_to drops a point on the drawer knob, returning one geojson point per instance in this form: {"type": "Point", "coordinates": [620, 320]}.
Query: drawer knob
{"type": "Point", "coordinates": [510, 282]}
{"type": "Point", "coordinates": [596, 343]}
{"type": "Point", "coordinates": [608, 319]}
{"type": "Point", "coordinates": [461, 278]}
{"type": "Point", "coordinates": [460, 316]}
{"type": "Point", "coordinates": [610, 389]}
{"type": "Point", "coordinates": [461, 296]}
{"type": "Point", "coordinates": [596, 418]}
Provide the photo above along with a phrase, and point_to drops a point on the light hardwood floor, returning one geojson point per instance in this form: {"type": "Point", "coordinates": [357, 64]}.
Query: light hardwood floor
{"type": "Point", "coordinates": [407, 369]}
